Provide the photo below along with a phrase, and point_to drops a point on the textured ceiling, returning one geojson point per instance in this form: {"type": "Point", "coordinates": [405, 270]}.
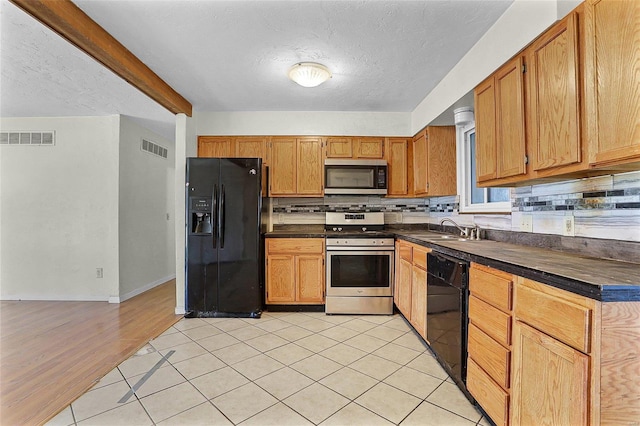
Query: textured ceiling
{"type": "Point", "coordinates": [234, 55]}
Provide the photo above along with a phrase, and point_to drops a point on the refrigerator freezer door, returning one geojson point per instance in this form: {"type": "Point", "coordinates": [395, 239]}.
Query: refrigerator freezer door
{"type": "Point", "coordinates": [203, 176]}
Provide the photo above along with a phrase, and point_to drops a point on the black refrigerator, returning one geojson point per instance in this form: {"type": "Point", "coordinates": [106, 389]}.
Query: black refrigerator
{"type": "Point", "coordinates": [224, 272]}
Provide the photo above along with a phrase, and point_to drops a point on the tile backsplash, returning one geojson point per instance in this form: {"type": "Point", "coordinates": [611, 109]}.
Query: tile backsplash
{"type": "Point", "coordinates": [605, 207]}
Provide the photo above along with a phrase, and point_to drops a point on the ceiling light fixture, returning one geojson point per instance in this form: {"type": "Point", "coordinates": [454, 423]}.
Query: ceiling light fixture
{"type": "Point", "coordinates": [309, 74]}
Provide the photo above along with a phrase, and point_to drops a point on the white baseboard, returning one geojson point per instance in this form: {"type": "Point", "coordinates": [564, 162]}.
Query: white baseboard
{"type": "Point", "coordinates": [55, 298]}
{"type": "Point", "coordinates": [81, 298]}
{"type": "Point", "coordinates": [180, 310]}
{"type": "Point", "coordinates": [142, 289]}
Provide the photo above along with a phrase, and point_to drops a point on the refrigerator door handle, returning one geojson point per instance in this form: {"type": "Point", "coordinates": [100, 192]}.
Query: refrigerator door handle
{"type": "Point", "coordinates": [214, 216]}
{"type": "Point", "coordinates": [221, 216]}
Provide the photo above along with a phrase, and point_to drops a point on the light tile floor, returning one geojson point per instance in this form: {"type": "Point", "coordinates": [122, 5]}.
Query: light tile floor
{"type": "Point", "coordinates": [282, 369]}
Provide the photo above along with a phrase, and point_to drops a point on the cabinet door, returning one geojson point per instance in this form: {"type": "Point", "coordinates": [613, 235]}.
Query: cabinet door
{"type": "Point", "coordinates": [282, 172]}
{"type": "Point", "coordinates": [441, 156]}
{"type": "Point", "coordinates": [550, 380]}
{"type": "Point", "coordinates": [369, 148]}
{"type": "Point", "coordinates": [310, 279]}
{"type": "Point", "coordinates": [420, 163]}
{"type": "Point", "coordinates": [398, 166]}
{"type": "Point", "coordinates": [486, 143]}
{"type": "Point", "coordinates": [419, 300]}
{"type": "Point", "coordinates": [215, 146]}
{"type": "Point", "coordinates": [404, 290]}
{"type": "Point", "coordinates": [280, 279]}
{"type": "Point", "coordinates": [250, 147]}
{"type": "Point", "coordinates": [554, 86]}
{"type": "Point", "coordinates": [310, 167]}
{"type": "Point", "coordinates": [339, 147]}
{"type": "Point", "coordinates": [612, 85]}
{"type": "Point", "coordinates": [510, 133]}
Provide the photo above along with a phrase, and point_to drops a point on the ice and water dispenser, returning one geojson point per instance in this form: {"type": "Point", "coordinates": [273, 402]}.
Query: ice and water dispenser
{"type": "Point", "coordinates": [200, 215]}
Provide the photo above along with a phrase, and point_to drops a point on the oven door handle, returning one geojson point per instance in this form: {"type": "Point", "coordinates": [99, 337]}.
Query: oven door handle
{"type": "Point", "coordinates": [369, 250]}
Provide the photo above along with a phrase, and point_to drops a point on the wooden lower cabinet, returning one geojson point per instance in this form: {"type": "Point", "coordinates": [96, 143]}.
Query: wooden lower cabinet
{"type": "Point", "coordinates": [489, 340]}
{"type": "Point", "coordinates": [419, 300]}
{"type": "Point", "coordinates": [295, 271]}
{"type": "Point", "coordinates": [493, 399]}
{"type": "Point", "coordinates": [550, 381]}
{"type": "Point", "coordinates": [404, 288]}
{"type": "Point", "coordinates": [411, 284]}
{"type": "Point", "coordinates": [576, 361]}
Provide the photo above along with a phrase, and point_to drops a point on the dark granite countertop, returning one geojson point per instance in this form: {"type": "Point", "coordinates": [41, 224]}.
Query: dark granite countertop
{"type": "Point", "coordinates": [302, 231]}
{"type": "Point", "coordinates": [600, 279]}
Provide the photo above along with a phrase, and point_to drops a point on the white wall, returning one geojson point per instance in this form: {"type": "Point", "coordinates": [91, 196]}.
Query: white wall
{"type": "Point", "coordinates": [522, 22]}
{"type": "Point", "coordinates": [59, 211]}
{"type": "Point", "coordinates": [146, 197]}
{"type": "Point", "coordinates": [303, 123]}
{"type": "Point", "coordinates": [185, 147]}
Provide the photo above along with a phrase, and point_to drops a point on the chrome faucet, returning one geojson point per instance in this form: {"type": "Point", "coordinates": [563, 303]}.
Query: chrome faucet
{"type": "Point", "coordinates": [464, 232]}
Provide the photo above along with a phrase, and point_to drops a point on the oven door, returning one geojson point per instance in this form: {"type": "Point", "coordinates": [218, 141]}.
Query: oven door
{"type": "Point", "coordinates": [357, 272]}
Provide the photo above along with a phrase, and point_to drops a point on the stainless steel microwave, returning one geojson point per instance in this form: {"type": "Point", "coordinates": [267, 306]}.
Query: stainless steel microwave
{"type": "Point", "coordinates": [355, 177]}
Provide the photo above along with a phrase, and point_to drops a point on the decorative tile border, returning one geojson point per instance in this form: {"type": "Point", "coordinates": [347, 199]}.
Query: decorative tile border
{"type": "Point", "coordinates": [349, 204]}
{"type": "Point", "coordinates": [594, 200]}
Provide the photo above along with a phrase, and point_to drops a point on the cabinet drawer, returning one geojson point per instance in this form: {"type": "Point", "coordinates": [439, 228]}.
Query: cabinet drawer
{"type": "Point", "coordinates": [489, 395]}
{"type": "Point", "coordinates": [565, 321]}
{"type": "Point", "coordinates": [493, 288]}
{"type": "Point", "coordinates": [492, 321]}
{"type": "Point", "coordinates": [490, 355]}
{"type": "Point", "coordinates": [420, 257]}
{"type": "Point", "coordinates": [406, 252]}
{"type": "Point", "coordinates": [295, 245]}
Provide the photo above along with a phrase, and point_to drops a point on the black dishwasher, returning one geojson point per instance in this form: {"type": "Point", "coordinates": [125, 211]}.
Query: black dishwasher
{"type": "Point", "coordinates": [447, 318]}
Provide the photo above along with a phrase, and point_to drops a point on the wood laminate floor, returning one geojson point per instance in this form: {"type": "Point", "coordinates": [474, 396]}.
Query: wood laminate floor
{"type": "Point", "coordinates": [53, 352]}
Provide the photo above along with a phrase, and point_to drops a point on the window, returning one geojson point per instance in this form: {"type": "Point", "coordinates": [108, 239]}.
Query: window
{"type": "Point", "coordinates": [472, 198]}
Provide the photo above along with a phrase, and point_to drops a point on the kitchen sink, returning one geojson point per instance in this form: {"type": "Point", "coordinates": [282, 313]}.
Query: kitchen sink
{"type": "Point", "coordinates": [443, 237]}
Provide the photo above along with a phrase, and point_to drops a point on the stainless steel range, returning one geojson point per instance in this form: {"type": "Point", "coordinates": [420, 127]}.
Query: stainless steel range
{"type": "Point", "coordinates": [359, 264]}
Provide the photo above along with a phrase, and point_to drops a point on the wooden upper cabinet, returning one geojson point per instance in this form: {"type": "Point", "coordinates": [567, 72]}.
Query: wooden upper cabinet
{"type": "Point", "coordinates": [310, 167]}
{"type": "Point", "coordinates": [355, 147]}
{"type": "Point", "coordinates": [398, 154]}
{"type": "Point", "coordinates": [339, 147]}
{"type": "Point", "coordinates": [510, 130]}
{"type": "Point", "coordinates": [434, 161]}
{"type": "Point", "coordinates": [500, 128]}
{"type": "Point", "coordinates": [251, 147]}
{"type": "Point", "coordinates": [486, 143]}
{"type": "Point", "coordinates": [233, 146]}
{"type": "Point", "coordinates": [215, 146]}
{"type": "Point", "coordinates": [296, 166]}
{"type": "Point", "coordinates": [283, 167]}
{"type": "Point", "coordinates": [370, 147]}
{"type": "Point", "coordinates": [612, 67]}
{"type": "Point", "coordinates": [442, 161]}
{"type": "Point", "coordinates": [420, 163]}
{"type": "Point", "coordinates": [553, 112]}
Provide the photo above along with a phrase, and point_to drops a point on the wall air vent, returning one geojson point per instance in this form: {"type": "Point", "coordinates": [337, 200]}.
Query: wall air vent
{"type": "Point", "coordinates": [154, 148]}
{"type": "Point", "coordinates": [27, 138]}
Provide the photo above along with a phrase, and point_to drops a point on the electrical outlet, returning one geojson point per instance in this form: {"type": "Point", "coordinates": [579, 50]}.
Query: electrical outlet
{"type": "Point", "coordinates": [569, 228]}
{"type": "Point", "coordinates": [526, 223]}
{"type": "Point", "coordinates": [98, 272]}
